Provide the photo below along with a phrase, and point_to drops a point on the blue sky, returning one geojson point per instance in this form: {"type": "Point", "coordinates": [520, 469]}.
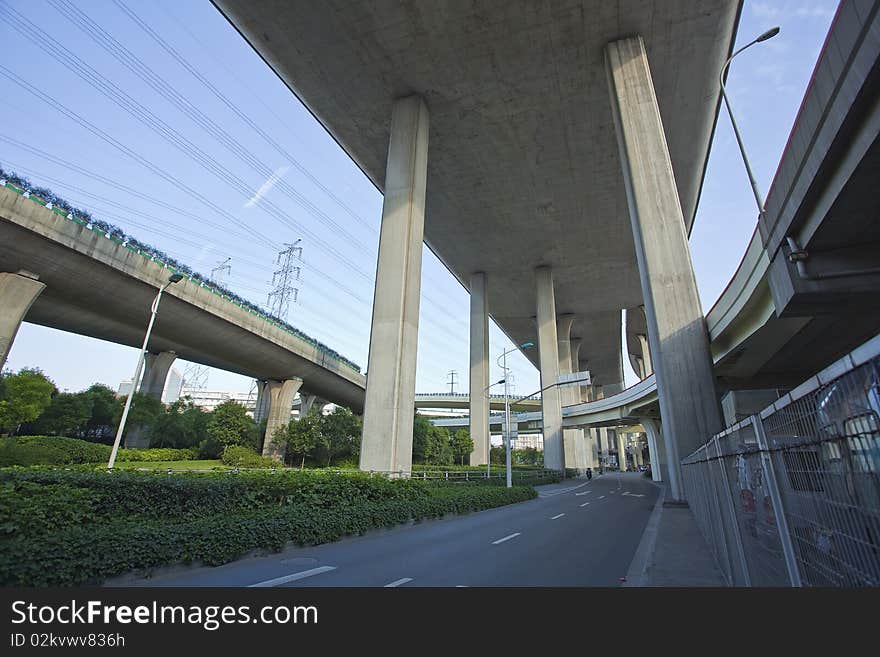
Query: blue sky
{"type": "Point", "coordinates": [313, 191]}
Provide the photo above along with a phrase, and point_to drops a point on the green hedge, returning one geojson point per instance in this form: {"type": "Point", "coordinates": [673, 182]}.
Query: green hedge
{"type": "Point", "coordinates": [76, 527]}
{"type": "Point", "coordinates": [244, 457]}
{"type": "Point", "coordinates": [58, 450]}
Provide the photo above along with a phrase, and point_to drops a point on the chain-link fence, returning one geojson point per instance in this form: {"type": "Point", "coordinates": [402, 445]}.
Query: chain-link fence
{"type": "Point", "coordinates": [791, 496]}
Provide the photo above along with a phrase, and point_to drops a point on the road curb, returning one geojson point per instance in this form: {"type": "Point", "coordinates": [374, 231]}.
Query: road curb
{"type": "Point", "coordinates": [637, 574]}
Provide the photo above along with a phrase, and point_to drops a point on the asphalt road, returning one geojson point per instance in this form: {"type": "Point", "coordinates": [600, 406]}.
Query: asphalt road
{"type": "Point", "coordinates": [577, 533]}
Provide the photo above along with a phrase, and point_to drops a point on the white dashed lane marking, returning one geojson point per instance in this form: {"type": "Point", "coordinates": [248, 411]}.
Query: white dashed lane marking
{"type": "Point", "coordinates": [291, 578]}
{"type": "Point", "coordinates": [506, 538]}
{"type": "Point", "coordinates": [398, 582]}
{"type": "Point", "coordinates": [557, 516]}
{"type": "Point", "coordinates": [585, 504]}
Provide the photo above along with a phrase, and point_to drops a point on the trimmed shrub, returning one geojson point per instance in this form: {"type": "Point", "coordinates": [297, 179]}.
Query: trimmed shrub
{"type": "Point", "coordinates": [59, 450]}
{"type": "Point", "coordinates": [244, 457]}
{"type": "Point", "coordinates": [76, 527]}
{"type": "Point", "coordinates": [158, 454]}
{"type": "Point", "coordinates": [50, 450]}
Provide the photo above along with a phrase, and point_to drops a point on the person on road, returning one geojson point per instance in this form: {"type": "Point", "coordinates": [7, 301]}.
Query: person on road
{"type": "Point", "coordinates": [589, 473]}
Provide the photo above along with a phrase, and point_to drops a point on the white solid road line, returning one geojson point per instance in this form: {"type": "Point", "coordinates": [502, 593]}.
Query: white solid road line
{"type": "Point", "coordinates": [584, 504]}
{"type": "Point", "coordinates": [506, 538]}
{"type": "Point", "coordinates": [398, 582]}
{"type": "Point", "coordinates": [291, 578]}
{"type": "Point", "coordinates": [586, 492]}
{"type": "Point", "coordinates": [557, 516]}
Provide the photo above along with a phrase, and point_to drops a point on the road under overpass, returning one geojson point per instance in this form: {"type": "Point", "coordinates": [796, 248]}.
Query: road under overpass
{"type": "Point", "coordinates": [551, 156]}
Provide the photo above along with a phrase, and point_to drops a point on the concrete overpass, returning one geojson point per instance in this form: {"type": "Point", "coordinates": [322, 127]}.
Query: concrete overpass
{"type": "Point", "coordinates": [567, 150]}
{"type": "Point", "coordinates": [60, 273]}
{"type": "Point", "coordinates": [462, 400]}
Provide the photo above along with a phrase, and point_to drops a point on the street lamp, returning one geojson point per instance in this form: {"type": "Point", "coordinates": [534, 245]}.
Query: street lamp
{"type": "Point", "coordinates": [174, 278]}
{"type": "Point", "coordinates": [769, 34]}
{"type": "Point", "coordinates": [489, 456]}
{"type": "Point", "coordinates": [506, 379]}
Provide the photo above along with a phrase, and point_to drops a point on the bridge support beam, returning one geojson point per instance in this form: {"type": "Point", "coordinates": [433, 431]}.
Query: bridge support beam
{"type": "Point", "coordinates": [573, 439]}
{"type": "Point", "coordinates": [655, 443]}
{"type": "Point", "coordinates": [261, 407]}
{"type": "Point", "coordinates": [156, 368]}
{"type": "Point", "coordinates": [677, 335]}
{"type": "Point", "coordinates": [281, 394]}
{"type": "Point", "coordinates": [307, 402]}
{"type": "Point", "coordinates": [17, 293]}
{"type": "Point", "coordinates": [548, 355]}
{"type": "Point", "coordinates": [479, 370]}
{"type": "Point", "coordinates": [391, 370]}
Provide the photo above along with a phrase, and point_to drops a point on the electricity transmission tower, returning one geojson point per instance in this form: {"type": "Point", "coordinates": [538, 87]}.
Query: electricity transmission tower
{"type": "Point", "coordinates": [283, 280]}
{"type": "Point", "coordinates": [195, 377]}
{"type": "Point", "coordinates": [452, 375]}
{"type": "Point", "coordinates": [221, 268]}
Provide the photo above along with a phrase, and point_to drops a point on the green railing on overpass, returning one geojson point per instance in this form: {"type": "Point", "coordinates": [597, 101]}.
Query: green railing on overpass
{"type": "Point", "coordinates": [64, 209]}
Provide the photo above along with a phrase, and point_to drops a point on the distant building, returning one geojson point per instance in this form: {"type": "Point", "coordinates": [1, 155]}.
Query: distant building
{"type": "Point", "coordinates": [124, 388]}
{"type": "Point", "coordinates": [208, 400]}
{"type": "Point", "coordinates": [529, 441]}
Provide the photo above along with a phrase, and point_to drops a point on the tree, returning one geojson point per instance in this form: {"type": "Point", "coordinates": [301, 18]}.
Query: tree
{"type": "Point", "coordinates": [230, 425]}
{"type": "Point", "coordinates": [25, 396]}
{"type": "Point", "coordinates": [145, 410]}
{"type": "Point", "coordinates": [106, 410]}
{"type": "Point", "coordinates": [438, 451]}
{"type": "Point", "coordinates": [67, 415]}
{"type": "Point", "coordinates": [341, 435]}
{"type": "Point", "coordinates": [421, 430]}
{"type": "Point", "coordinates": [498, 455]}
{"type": "Point", "coordinates": [182, 425]}
{"type": "Point", "coordinates": [462, 445]}
{"type": "Point", "coordinates": [303, 436]}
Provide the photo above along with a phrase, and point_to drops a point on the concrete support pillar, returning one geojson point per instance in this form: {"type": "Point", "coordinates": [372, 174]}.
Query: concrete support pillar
{"type": "Point", "coordinates": [646, 355]}
{"type": "Point", "coordinates": [391, 368]}
{"type": "Point", "coordinates": [281, 394]}
{"type": "Point", "coordinates": [655, 445]}
{"type": "Point", "coordinates": [479, 370]}
{"type": "Point", "coordinates": [308, 401]}
{"type": "Point", "coordinates": [573, 439]}
{"type": "Point", "coordinates": [156, 368]}
{"type": "Point", "coordinates": [621, 451]}
{"type": "Point", "coordinates": [677, 333]}
{"type": "Point", "coordinates": [261, 407]}
{"type": "Point", "coordinates": [17, 293]}
{"type": "Point", "coordinates": [548, 354]}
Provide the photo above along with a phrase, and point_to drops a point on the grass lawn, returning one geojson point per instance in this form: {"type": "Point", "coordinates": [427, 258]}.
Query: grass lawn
{"type": "Point", "coordinates": [174, 465]}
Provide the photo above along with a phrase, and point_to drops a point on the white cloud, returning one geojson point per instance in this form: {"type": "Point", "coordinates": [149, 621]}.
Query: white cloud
{"type": "Point", "coordinates": [764, 10]}
{"type": "Point", "coordinates": [266, 186]}
{"type": "Point", "coordinates": [814, 12]}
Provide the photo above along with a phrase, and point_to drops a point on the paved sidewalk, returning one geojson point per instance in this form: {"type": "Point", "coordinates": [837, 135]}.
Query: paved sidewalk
{"type": "Point", "coordinates": [673, 552]}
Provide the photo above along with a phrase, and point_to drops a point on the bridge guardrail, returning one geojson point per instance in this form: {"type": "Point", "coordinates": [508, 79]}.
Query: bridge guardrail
{"type": "Point", "coordinates": [791, 495]}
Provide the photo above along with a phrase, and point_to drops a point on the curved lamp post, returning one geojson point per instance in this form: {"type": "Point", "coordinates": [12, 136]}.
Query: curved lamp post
{"type": "Point", "coordinates": [174, 278]}
{"type": "Point", "coordinates": [767, 35]}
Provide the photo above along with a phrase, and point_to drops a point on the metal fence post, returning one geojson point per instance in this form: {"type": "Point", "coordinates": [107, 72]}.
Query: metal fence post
{"type": "Point", "coordinates": [736, 534]}
{"type": "Point", "coordinates": [791, 563]}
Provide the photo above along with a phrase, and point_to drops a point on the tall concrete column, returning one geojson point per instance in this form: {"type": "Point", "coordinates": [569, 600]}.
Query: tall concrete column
{"type": "Point", "coordinates": [572, 438]}
{"type": "Point", "coordinates": [308, 401]}
{"type": "Point", "coordinates": [17, 293]}
{"type": "Point", "coordinates": [655, 443]}
{"type": "Point", "coordinates": [548, 355]}
{"type": "Point", "coordinates": [677, 333]}
{"type": "Point", "coordinates": [479, 370]}
{"type": "Point", "coordinates": [281, 394]}
{"type": "Point", "coordinates": [391, 369]}
{"type": "Point", "coordinates": [646, 354]}
{"type": "Point", "coordinates": [261, 407]}
{"type": "Point", "coordinates": [156, 368]}
{"type": "Point", "coordinates": [621, 451]}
